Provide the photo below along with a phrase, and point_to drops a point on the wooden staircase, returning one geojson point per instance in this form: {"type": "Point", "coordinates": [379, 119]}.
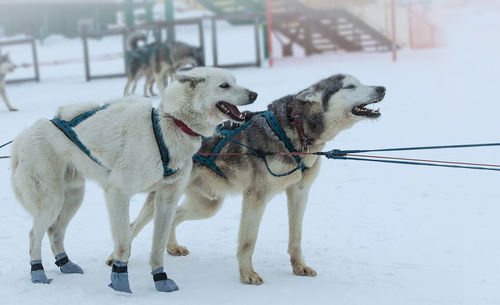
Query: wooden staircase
{"type": "Point", "coordinates": [317, 31]}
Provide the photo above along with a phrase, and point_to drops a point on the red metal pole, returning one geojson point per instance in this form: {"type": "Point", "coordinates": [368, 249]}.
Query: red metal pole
{"type": "Point", "coordinates": [411, 28]}
{"type": "Point", "coordinates": [269, 33]}
{"type": "Point", "coordinates": [394, 47]}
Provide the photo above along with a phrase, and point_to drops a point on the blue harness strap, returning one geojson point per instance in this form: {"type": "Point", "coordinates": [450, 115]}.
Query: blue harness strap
{"type": "Point", "coordinates": [281, 134]}
{"type": "Point", "coordinates": [167, 171]}
{"type": "Point", "coordinates": [227, 136]}
{"type": "Point", "coordinates": [67, 128]}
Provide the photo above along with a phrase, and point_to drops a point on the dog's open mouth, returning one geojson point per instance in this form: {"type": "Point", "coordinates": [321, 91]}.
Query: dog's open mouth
{"type": "Point", "coordinates": [231, 111]}
{"type": "Point", "coordinates": [361, 110]}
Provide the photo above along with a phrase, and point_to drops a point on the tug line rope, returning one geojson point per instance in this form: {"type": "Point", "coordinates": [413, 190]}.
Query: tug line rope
{"type": "Point", "coordinates": [354, 155]}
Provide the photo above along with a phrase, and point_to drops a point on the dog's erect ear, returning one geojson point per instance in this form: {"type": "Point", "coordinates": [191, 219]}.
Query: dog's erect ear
{"type": "Point", "coordinates": [309, 95]}
{"type": "Point", "coordinates": [186, 79]}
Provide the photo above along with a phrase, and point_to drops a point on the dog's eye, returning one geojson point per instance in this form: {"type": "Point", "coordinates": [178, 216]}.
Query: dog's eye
{"type": "Point", "coordinates": [225, 86]}
{"type": "Point", "coordinates": [350, 87]}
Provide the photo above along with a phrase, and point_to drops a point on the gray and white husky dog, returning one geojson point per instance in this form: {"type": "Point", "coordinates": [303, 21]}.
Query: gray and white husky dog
{"type": "Point", "coordinates": [309, 119]}
{"type": "Point", "coordinates": [6, 66]}
{"type": "Point", "coordinates": [122, 151]}
{"type": "Point", "coordinates": [158, 62]}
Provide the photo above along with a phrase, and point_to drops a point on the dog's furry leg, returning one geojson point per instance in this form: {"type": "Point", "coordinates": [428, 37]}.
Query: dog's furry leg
{"type": "Point", "coordinates": [145, 216]}
{"type": "Point", "coordinates": [297, 196]}
{"type": "Point", "coordinates": [41, 223]}
{"type": "Point", "coordinates": [5, 99]}
{"type": "Point", "coordinates": [147, 82]}
{"type": "Point", "coordinates": [254, 204]}
{"type": "Point", "coordinates": [39, 188]}
{"type": "Point", "coordinates": [134, 85]}
{"type": "Point", "coordinates": [118, 205]}
{"type": "Point", "coordinates": [165, 204]}
{"type": "Point", "coordinates": [127, 86]}
{"type": "Point", "coordinates": [195, 206]}
{"type": "Point", "coordinates": [151, 87]}
{"type": "Point", "coordinates": [73, 198]}
{"type": "Point", "coordinates": [159, 82]}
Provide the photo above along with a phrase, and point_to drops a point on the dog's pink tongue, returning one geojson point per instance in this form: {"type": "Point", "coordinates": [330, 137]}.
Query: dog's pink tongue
{"type": "Point", "coordinates": [235, 111]}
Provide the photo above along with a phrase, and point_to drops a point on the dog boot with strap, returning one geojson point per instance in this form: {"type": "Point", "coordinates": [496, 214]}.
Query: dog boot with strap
{"type": "Point", "coordinates": [38, 274]}
{"type": "Point", "coordinates": [67, 266]}
{"type": "Point", "coordinates": [162, 282]}
{"type": "Point", "coordinates": [119, 277]}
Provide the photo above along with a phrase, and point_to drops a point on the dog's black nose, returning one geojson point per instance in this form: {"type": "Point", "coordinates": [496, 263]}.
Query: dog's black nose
{"type": "Point", "coordinates": [252, 96]}
{"type": "Point", "coordinates": [381, 90]}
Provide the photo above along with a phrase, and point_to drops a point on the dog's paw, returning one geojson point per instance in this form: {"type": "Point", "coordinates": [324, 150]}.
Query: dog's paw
{"type": "Point", "coordinates": [252, 278]}
{"type": "Point", "coordinates": [71, 267]}
{"type": "Point", "coordinates": [162, 282]}
{"type": "Point", "coordinates": [303, 270]}
{"type": "Point", "coordinates": [66, 265]}
{"type": "Point", "coordinates": [177, 250]}
{"type": "Point", "coordinates": [13, 109]}
{"type": "Point", "coordinates": [119, 277]}
{"type": "Point", "coordinates": [39, 277]}
{"type": "Point", "coordinates": [167, 285]}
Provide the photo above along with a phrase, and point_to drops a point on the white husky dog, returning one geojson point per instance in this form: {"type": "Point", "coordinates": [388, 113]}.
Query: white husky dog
{"type": "Point", "coordinates": [127, 147]}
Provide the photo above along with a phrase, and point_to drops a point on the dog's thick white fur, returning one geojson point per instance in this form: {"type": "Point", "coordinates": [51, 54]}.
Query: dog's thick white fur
{"type": "Point", "coordinates": [49, 171]}
{"type": "Point", "coordinates": [326, 108]}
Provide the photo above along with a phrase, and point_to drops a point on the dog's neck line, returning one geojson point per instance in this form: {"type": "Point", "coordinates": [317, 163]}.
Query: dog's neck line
{"type": "Point", "coordinates": [296, 120]}
{"type": "Point", "coordinates": [183, 126]}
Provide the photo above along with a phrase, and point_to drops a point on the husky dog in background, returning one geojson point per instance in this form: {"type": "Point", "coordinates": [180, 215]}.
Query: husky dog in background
{"type": "Point", "coordinates": [170, 58]}
{"type": "Point", "coordinates": [158, 62]}
{"type": "Point", "coordinates": [6, 66]}
{"type": "Point", "coordinates": [309, 119]}
{"type": "Point", "coordinates": [128, 147]}
{"type": "Point", "coordinates": [138, 64]}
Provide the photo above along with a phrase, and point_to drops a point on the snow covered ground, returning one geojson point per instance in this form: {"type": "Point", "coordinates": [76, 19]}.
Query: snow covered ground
{"type": "Point", "coordinates": [376, 234]}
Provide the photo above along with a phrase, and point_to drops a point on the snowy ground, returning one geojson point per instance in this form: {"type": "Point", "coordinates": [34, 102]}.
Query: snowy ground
{"type": "Point", "coordinates": [376, 234]}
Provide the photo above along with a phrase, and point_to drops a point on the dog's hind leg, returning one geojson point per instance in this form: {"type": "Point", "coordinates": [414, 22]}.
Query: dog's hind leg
{"type": "Point", "coordinates": [159, 82]}
{"type": "Point", "coordinates": [118, 205]}
{"type": "Point", "coordinates": [254, 204]}
{"type": "Point", "coordinates": [151, 87]}
{"type": "Point", "coordinates": [73, 197]}
{"type": "Point", "coordinates": [195, 206]}
{"type": "Point", "coordinates": [147, 82]}
{"type": "Point", "coordinates": [297, 196]}
{"type": "Point", "coordinates": [39, 188]}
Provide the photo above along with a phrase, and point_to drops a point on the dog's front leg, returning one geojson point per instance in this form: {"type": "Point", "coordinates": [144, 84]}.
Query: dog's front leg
{"type": "Point", "coordinates": [297, 196]}
{"type": "Point", "coordinates": [254, 203]}
{"type": "Point", "coordinates": [5, 99]}
{"type": "Point", "coordinates": [165, 205]}
{"type": "Point", "coordinates": [118, 206]}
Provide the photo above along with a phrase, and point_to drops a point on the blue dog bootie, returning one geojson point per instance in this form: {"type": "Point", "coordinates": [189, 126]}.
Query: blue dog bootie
{"type": "Point", "coordinates": [119, 277]}
{"type": "Point", "coordinates": [38, 274]}
{"type": "Point", "coordinates": [67, 266]}
{"type": "Point", "coordinates": [162, 282]}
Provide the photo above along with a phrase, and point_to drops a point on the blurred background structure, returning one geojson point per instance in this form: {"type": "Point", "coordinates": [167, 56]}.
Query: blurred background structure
{"type": "Point", "coordinates": [329, 20]}
{"type": "Point", "coordinates": [256, 28]}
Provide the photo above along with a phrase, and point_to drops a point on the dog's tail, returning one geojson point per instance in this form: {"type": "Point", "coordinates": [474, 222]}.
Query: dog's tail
{"type": "Point", "coordinates": [133, 40]}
